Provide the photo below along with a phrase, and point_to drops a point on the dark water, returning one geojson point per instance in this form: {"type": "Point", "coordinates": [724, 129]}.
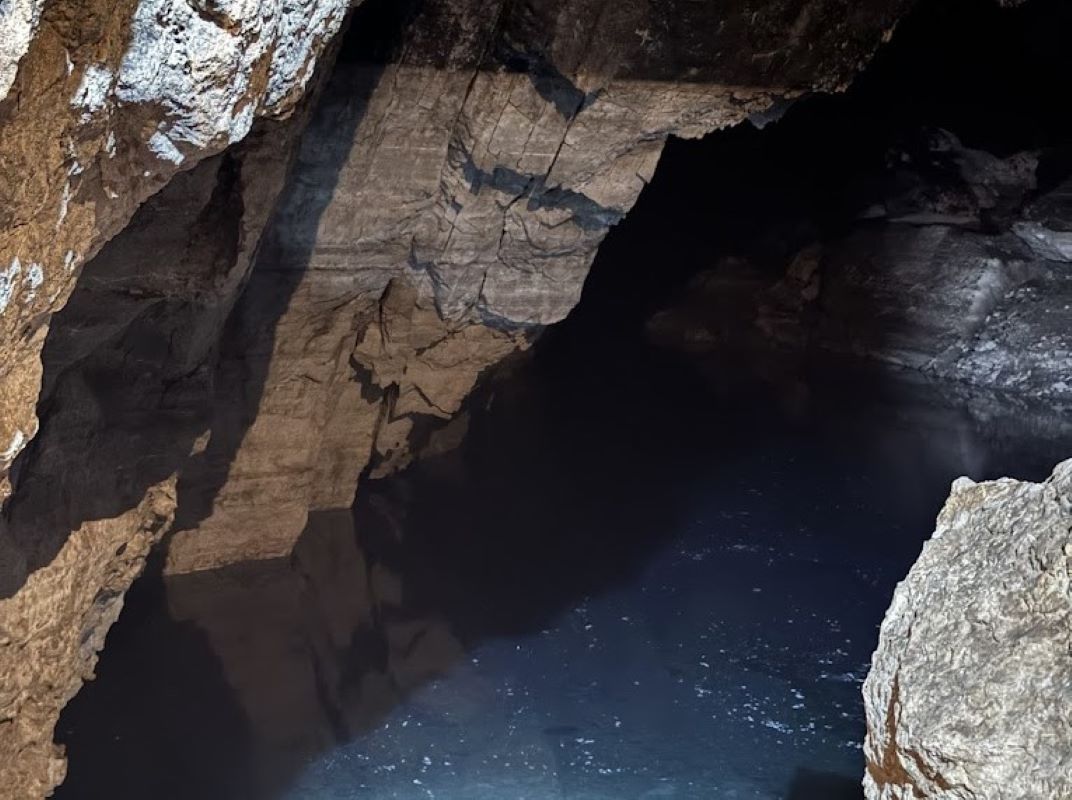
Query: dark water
{"type": "Point", "coordinates": [640, 578]}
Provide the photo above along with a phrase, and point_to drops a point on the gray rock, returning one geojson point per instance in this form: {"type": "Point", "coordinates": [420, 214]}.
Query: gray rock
{"type": "Point", "coordinates": [970, 690]}
{"type": "Point", "coordinates": [1048, 244]}
{"type": "Point", "coordinates": [1047, 224]}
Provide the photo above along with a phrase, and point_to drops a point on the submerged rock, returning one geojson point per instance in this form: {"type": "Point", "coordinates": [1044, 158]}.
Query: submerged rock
{"type": "Point", "coordinates": [971, 685]}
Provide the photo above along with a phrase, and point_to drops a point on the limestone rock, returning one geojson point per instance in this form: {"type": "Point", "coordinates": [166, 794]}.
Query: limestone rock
{"type": "Point", "coordinates": [1024, 344]}
{"type": "Point", "coordinates": [948, 272]}
{"type": "Point", "coordinates": [126, 391]}
{"type": "Point", "coordinates": [971, 685]}
{"type": "Point", "coordinates": [445, 206]}
{"type": "Point", "coordinates": [51, 631]}
{"type": "Point", "coordinates": [101, 103]}
{"type": "Point", "coordinates": [938, 179]}
{"type": "Point", "coordinates": [952, 303]}
{"type": "Point", "coordinates": [1047, 225]}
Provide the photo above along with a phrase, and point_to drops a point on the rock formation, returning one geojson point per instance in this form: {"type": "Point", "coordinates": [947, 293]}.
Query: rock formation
{"type": "Point", "coordinates": [100, 105]}
{"type": "Point", "coordinates": [943, 279]}
{"type": "Point", "coordinates": [444, 204]}
{"type": "Point", "coordinates": [959, 275]}
{"type": "Point", "coordinates": [477, 180]}
{"type": "Point", "coordinates": [970, 688]}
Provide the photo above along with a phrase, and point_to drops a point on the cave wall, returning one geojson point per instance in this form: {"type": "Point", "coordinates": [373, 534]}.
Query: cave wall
{"type": "Point", "coordinates": [921, 219]}
{"type": "Point", "coordinates": [477, 183]}
{"type": "Point", "coordinates": [444, 205]}
{"type": "Point", "coordinates": [100, 105]}
{"type": "Point", "coordinates": [103, 105]}
{"type": "Point", "coordinates": [124, 402]}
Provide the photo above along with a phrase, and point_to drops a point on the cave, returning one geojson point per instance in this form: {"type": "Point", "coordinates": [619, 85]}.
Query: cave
{"type": "Point", "coordinates": [542, 399]}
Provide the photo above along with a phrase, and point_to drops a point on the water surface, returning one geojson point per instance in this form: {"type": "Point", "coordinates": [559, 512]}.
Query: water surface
{"type": "Point", "coordinates": [641, 577]}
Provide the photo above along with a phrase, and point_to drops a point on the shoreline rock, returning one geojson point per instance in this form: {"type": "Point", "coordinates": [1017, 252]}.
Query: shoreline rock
{"type": "Point", "coordinates": [971, 685]}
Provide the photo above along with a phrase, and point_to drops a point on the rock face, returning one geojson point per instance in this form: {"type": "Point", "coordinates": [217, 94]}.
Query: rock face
{"type": "Point", "coordinates": [957, 275]}
{"type": "Point", "coordinates": [962, 281]}
{"type": "Point", "coordinates": [950, 303]}
{"type": "Point", "coordinates": [100, 105]}
{"type": "Point", "coordinates": [445, 205]}
{"type": "Point", "coordinates": [53, 629]}
{"type": "Point", "coordinates": [971, 684]}
{"type": "Point", "coordinates": [240, 353]}
{"type": "Point", "coordinates": [103, 104]}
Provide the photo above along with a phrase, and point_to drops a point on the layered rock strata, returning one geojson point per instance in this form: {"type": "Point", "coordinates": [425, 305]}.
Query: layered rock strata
{"type": "Point", "coordinates": [444, 207]}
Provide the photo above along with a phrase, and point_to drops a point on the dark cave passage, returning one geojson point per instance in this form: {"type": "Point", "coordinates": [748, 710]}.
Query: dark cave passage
{"type": "Point", "coordinates": [987, 75]}
{"type": "Point", "coordinates": [656, 564]}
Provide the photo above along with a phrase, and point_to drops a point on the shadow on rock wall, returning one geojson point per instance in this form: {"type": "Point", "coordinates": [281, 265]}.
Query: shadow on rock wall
{"type": "Point", "coordinates": [137, 386]}
{"type": "Point", "coordinates": [132, 386]}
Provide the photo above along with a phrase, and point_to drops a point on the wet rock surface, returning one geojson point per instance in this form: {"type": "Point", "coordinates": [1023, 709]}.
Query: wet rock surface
{"type": "Point", "coordinates": [970, 686]}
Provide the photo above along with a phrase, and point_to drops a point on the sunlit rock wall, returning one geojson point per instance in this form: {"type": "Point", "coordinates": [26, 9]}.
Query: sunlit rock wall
{"type": "Point", "coordinates": [100, 105]}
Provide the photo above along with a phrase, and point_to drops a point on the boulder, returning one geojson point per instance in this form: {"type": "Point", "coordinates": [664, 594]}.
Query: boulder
{"type": "Point", "coordinates": [970, 690]}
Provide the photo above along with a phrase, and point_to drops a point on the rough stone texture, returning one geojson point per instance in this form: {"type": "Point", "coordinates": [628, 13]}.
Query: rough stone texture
{"type": "Point", "coordinates": [971, 685]}
{"type": "Point", "coordinates": [956, 279]}
{"type": "Point", "coordinates": [18, 22]}
{"type": "Point", "coordinates": [1047, 225]}
{"type": "Point", "coordinates": [476, 176]}
{"type": "Point", "coordinates": [51, 631]}
{"type": "Point", "coordinates": [100, 105]}
{"type": "Point", "coordinates": [124, 389]}
{"type": "Point", "coordinates": [443, 207]}
{"type": "Point", "coordinates": [943, 300]}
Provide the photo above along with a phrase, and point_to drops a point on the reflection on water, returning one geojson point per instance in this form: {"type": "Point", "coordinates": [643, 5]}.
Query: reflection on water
{"type": "Point", "coordinates": [637, 579]}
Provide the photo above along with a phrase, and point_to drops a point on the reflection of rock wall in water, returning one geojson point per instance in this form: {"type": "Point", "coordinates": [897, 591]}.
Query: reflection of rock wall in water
{"type": "Point", "coordinates": [970, 687]}
{"type": "Point", "coordinates": [315, 647]}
